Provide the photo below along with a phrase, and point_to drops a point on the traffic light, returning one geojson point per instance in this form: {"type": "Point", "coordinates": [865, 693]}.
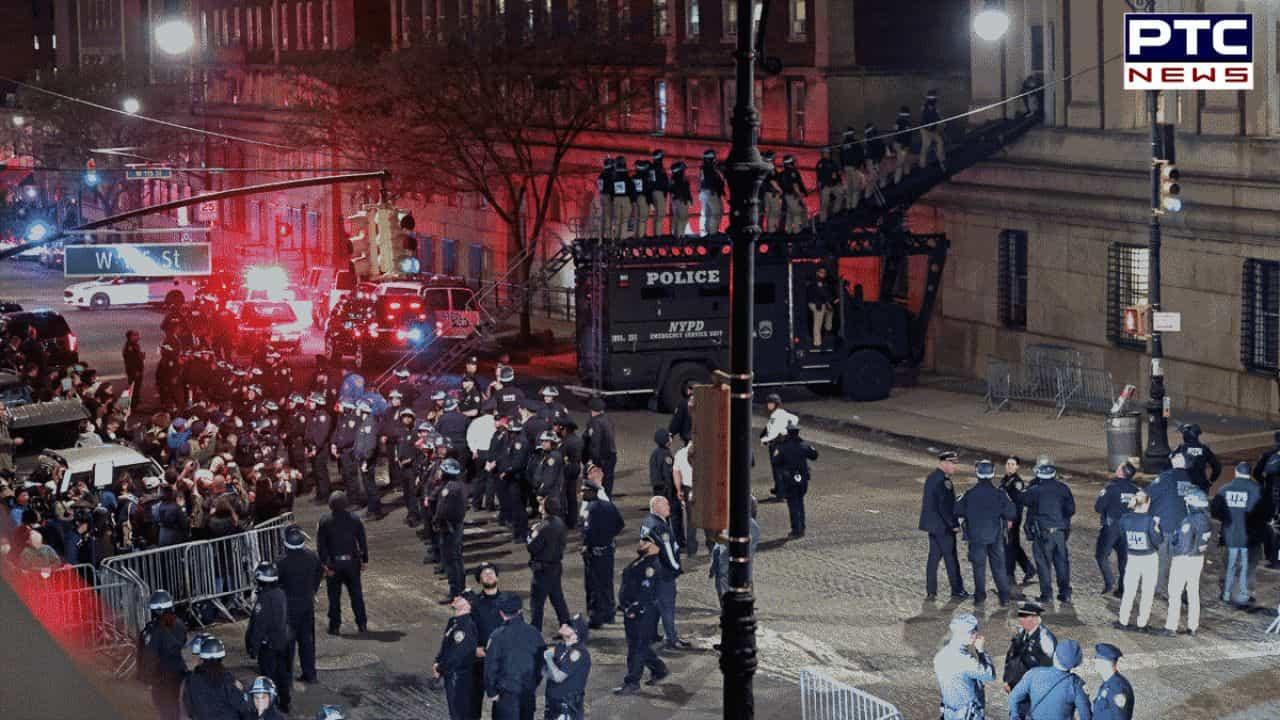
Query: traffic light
{"type": "Point", "coordinates": [1137, 321]}
{"type": "Point", "coordinates": [391, 243]}
{"type": "Point", "coordinates": [1169, 187]}
{"type": "Point", "coordinates": [91, 173]}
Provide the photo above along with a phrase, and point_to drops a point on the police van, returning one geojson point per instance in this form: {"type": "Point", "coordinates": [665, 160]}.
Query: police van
{"type": "Point", "coordinates": [653, 313]}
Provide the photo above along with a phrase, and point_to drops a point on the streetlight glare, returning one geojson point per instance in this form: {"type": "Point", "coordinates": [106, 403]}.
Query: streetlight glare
{"type": "Point", "coordinates": [19, 120]}
{"type": "Point", "coordinates": [175, 37]}
{"type": "Point", "coordinates": [131, 105]}
{"type": "Point", "coordinates": [37, 232]}
{"type": "Point", "coordinates": [991, 23]}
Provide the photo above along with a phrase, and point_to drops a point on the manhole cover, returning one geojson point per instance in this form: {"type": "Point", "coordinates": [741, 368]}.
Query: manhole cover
{"type": "Point", "coordinates": [346, 662]}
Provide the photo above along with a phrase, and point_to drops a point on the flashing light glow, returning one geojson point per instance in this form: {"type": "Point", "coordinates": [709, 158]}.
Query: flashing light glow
{"type": "Point", "coordinates": [38, 231]}
{"type": "Point", "coordinates": [764, 248]}
{"type": "Point", "coordinates": [131, 105]}
{"type": "Point", "coordinates": [175, 37]}
{"type": "Point", "coordinates": [702, 249]}
{"type": "Point", "coordinates": [991, 23]}
{"type": "Point", "coordinates": [395, 306]}
{"type": "Point", "coordinates": [31, 192]}
{"type": "Point", "coordinates": [91, 178]}
{"type": "Point", "coordinates": [725, 250]}
{"type": "Point", "coordinates": [662, 251]}
{"type": "Point", "coordinates": [271, 279]}
{"type": "Point", "coordinates": [19, 120]}
{"type": "Point", "coordinates": [410, 265]}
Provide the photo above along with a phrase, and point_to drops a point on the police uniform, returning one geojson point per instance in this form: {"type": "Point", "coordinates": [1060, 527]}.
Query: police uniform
{"type": "Point", "coordinates": [962, 672]}
{"type": "Point", "coordinates": [937, 517]}
{"type": "Point", "coordinates": [568, 667]}
{"type": "Point", "coordinates": [987, 511]}
{"type": "Point", "coordinates": [365, 453]}
{"type": "Point", "coordinates": [1054, 693]}
{"type": "Point", "coordinates": [710, 194]}
{"type": "Point", "coordinates": [1142, 536]}
{"type": "Point", "coordinates": [598, 444]}
{"type": "Point", "coordinates": [931, 136]}
{"type": "Point", "coordinates": [604, 195]}
{"type": "Point", "coordinates": [160, 664]}
{"type": "Point", "coordinates": [794, 455]}
{"type": "Point", "coordinates": [851, 167]}
{"type": "Point", "coordinates": [548, 477]}
{"type": "Point", "coordinates": [546, 557]}
{"type": "Point", "coordinates": [793, 192]}
{"type": "Point", "coordinates": [404, 457]}
{"type": "Point", "coordinates": [1190, 540]}
{"type": "Point", "coordinates": [455, 661]}
{"type": "Point", "coordinates": [1114, 700]}
{"type": "Point", "coordinates": [511, 662]}
{"type": "Point", "coordinates": [300, 573]}
{"type": "Point", "coordinates": [600, 528]}
{"type": "Point", "coordinates": [268, 639]}
{"type": "Point", "coordinates": [902, 143]}
{"type": "Point", "coordinates": [1234, 504]}
{"type": "Point", "coordinates": [212, 693]}
{"type": "Point", "coordinates": [512, 464]}
{"type": "Point", "coordinates": [621, 199]}
{"type": "Point", "coordinates": [343, 548]}
{"type": "Point", "coordinates": [830, 188]}
{"type": "Point", "coordinates": [449, 516]}
{"type": "Point", "coordinates": [484, 611]}
{"type": "Point", "coordinates": [1015, 556]}
{"type": "Point", "coordinates": [659, 532]}
{"type": "Point", "coordinates": [641, 190]}
{"type": "Point", "coordinates": [638, 601]}
{"type": "Point", "coordinates": [661, 186]}
{"type": "Point", "coordinates": [1050, 506]}
{"type": "Point", "coordinates": [1028, 649]}
{"type": "Point", "coordinates": [1112, 503]}
{"type": "Point", "coordinates": [681, 200]}
{"type": "Point", "coordinates": [1167, 492]}
{"type": "Point", "coordinates": [343, 443]}
{"type": "Point", "coordinates": [571, 450]}
{"type": "Point", "coordinates": [1202, 464]}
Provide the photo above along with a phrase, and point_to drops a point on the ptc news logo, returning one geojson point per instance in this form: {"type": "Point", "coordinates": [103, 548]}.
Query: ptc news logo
{"type": "Point", "coordinates": [1188, 51]}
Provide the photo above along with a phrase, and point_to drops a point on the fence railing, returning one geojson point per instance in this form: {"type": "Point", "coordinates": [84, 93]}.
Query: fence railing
{"type": "Point", "coordinates": [823, 698]}
{"type": "Point", "coordinates": [1061, 386]}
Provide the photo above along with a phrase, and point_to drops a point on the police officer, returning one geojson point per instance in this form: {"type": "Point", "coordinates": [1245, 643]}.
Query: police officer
{"type": "Point", "coordinates": [638, 601]}
{"type": "Point", "coordinates": [294, 435]}
{"type": "Point", "coordinates": [851, 167]}
{"type": "Point", "coordinates": [962, 666]}
{"type": "Point", "coordinates": [1112, 503]}
{"type": "Point", "coordinates": [1202, 465]}
{"type": "Point", "coordinates": [1167, 492]}
{"type": "Point", "coordinates": [456, 659]}
{"type": "Point", "coordinates": [484, 611]}
{"type": "Point", "coordinates": [342, 444]}
{"type": "Point", "coordinates": [600, 528]}
{"type": "Point", "coordinates": [873, 153]}
{"type": "Point", "coordinates": [794, 455]}
{"type": "Point", "coordinates": [830, 186]}
{"type": "Point", "coordinates": [1015, 556]}
{"type": "Point", "coordinates": [470, 398]}
{"type": "Point", "coordinates": [513, 464]}
{"type": "Point", "coordinates": [711, 194]}
{"type": "Point", "coordinates": [401, 454]}
{"type": "Point", "coordinates": [987, 512]}
{"type": "Point", "coordinates": [160, 663]}
{"type": "Point", "coordinates": [300, 573]}
{"type": "Point", "coordinates": [551, 408]}
{"type": "Point", "coordinates": [642, 190]}
{"type": "Point", "coordinates": [1114, 700]}
{"type": "Point", "coordinates": [1232, 506]}
{"type": "Point", "coordinates": [1266, 472]}
{"type": "Point", "coordinates": [571, 451]}
{"type": "Point", "coordinates": [330, 712]}
{"type": "Point", "coordinates": [622, 198]}
{"type": "Point", "coordinates": [938, 518]}
{"type": "Point", "coordinates": [661, 478]}
{"type": "Point", "coordinates": [598, 446]}
{"type": "Point", "coordinates": [604, 192]}
{"type": "Point", "coordinates": [344, 551]}
{"type": "Point", "coordinates": [657, 527]}
{"type": "Point", "coordinates": [775, 428]}
{"type": "Point", "coordinates": [1031, 646]}
{"type": "Point", "coordinates": [511, 662]}
{"type": "Point", "coordinates": [902, 143]}
{"type": "Point", "coordinates": [267, 637]}
{"type": "Point", "coordinates": [210, 692]}
{"type": "Point", "coordinates": [504, 392]}
{"type": "Point", "coordinates": [365, 453]}
{"type": "Point", "coordinates": [770, 196]}
{"type": "Point", "coordinates": [1055, 693]}
{"type": "Point", "coordinates": [793, 193]}
{"type": "Point", "coordinates": [660, 186]}
{"type": "Point", "coordinates": [546, 557]}
{"type": "Point", "coordinates": [1050, 506]}
{"type": "Point", "coordinates": [450, 513]}
{"type": "Point", "coordinates": [567, 664]}
{"type": "Point", "coordinates": [1190, 540]}
{"type": "Point", "coordinates": [405, 387]}
{"type": "Point", "coordinates": [681, 200]}
{"type": "Point", "coordinates": [547, 476]}
{"type": "Point", "coordinates": [932, 134]}
{"type": "Point", "coordinates": [1141, 531]}
{"type": "Point", "coordinates": [262, 698]}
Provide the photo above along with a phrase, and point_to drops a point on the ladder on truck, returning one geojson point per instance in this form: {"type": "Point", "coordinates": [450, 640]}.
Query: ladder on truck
{"type": "Point", "coordinates": [494, 310]}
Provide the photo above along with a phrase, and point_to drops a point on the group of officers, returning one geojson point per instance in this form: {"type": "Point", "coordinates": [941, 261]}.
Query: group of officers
{"type": "Point", "coordinates": [630, 202]}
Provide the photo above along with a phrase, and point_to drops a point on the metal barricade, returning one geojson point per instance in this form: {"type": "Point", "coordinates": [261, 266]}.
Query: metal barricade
{"type": "Point", "coordinates": [161, 568]}
{"type": "Point", "coordinates": [1059, 386]}
{"type": "Point", "coordinates": [283, 520]}
{"type": "Point", "coordinates": [1085, 389]}
{"type": "Point", "coordinates": [823, 698]}
{"type": "Point", "coordinates": [221, 571]}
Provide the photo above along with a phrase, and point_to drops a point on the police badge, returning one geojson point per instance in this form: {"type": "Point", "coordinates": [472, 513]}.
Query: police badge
{"type": "Point", "coordinates": [648, 572]}
{"type": "Point", "coordinates": [574, 655]}
{"type": "Point", "coordinates": [459, 636]}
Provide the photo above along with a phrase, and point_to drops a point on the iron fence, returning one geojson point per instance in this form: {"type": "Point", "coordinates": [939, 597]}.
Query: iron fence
{"type": "Point", "coordinates": [823, 698]}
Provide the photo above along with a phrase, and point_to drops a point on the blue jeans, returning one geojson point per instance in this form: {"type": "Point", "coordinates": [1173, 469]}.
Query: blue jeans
{"type": "Point", "coordinates": [1237, 564]}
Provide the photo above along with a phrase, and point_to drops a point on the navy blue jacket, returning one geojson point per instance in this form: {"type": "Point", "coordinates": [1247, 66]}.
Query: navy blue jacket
{"type": "Point", "coordinates": [1141, 533]}
{"type": "Point", "coordinates": [602, 524]}
{"type": "Point", "coordinates": [1114, 700]}
{"type": "Point", "coordinates": [484, 613]}
{"type": "Point", "coordinates": [1050, 505]}
{"type": "Point", "coordinates": [1166, 493]}
{"type": "Point", "coordinates": [512, 658]}
{"type": "Point", "coordinates": [575, 662]}
{"type": "Point", "coordinates": [794, 455]}
{"type": "Point", "coordinates": [937, 507]}
{"type": "Point", "coordinates": [638, 592]}
{"type": "Point", "coordinates": [1232, 506]}
{"type": "Point", "coordinates": [458, 647]}
{"type": "Point", "coordinates": [1114, 499]}
{"type": "Point", "coordinates": [987, 510]}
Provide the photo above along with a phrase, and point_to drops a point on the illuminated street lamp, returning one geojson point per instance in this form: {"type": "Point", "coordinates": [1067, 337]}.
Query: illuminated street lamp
{"type": "Point", "coordinates": [131, 105]}
{"type": "Point", "coordinates": [37, 231]}
{"type": "Point", "coordinates": [175, 37]}
{"type": "Point", "coordinates": [992, 22]}
{"type": "Point", "coordinates": [19, 120]}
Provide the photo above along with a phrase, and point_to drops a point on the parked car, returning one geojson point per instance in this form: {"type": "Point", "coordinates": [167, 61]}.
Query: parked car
{"type": "Point", "coordinates": [100, 466]}
{"type": "Point", "coordinates": [61, 345]}
{"type": "Point", "coordinates": [104, 292]}
{"type": "Point", "coordinates": [269, 324]}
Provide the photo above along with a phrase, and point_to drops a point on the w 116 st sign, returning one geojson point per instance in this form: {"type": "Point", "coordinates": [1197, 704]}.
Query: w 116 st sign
{"type": "Point", "coordinates": [1188, 51]}
{"type": "Point", "coordinates": [148, 259]}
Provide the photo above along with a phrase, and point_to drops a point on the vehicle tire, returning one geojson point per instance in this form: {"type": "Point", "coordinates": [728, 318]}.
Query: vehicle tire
{"type": "Point", "coordinates": [867, 376]}
{"type": "Point", "coordinates": [672, 391]}
{"type": "Point", "coordinates": [100, 301]}
{"type": "Point", "coordinates": [173, 300]}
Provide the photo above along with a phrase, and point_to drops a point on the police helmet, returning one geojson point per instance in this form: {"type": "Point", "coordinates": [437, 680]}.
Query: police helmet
{"type": "Point", "coordinates": [931, 96]}
{"type": "Point", "coordinates": [197, 641]}
{"type": "Point", "coordinates": [266, 572]}
{"type": "Point", "coordinates": [869, 130]}
{"type": "Point", "coordinates": [401, 373]}
{"type": "Point", "coordinates": [1191, 433]}
{"type": "Point", "coordinates": [642, 164]}
{"type": "Point", "coordinates": [984, 469]}
{"type": "Point", "coordinates": [364, 407]}
{"type": "Point", "coordinates": [425, 427]}
{"type": "Point", "coordinates": [506, 374]}
{"type": "Point", "coordinates": [395, 395]}
{"type": "Point", "coordinates": [330, 712]}
{"type": "Point", "coordinates": [767, 155]}
{"type": "Point", "coordinates": [438, 396]}
{"type": "Point", "coordinates": [850, 133]}
{"type": "Point", "coordinates": [516, 423]}
{"type": "Point", "coordinates": [658, 154]}
{"type": "Point", "coordinates": [619, 163]}
{"type": "Point", "coordinates": [774, 398]}
{"type": "Point", "coordinates": [405, 411]}
{"type": "Point", "coordinates": [263, 685]}
{"type": "Point", "coordinates": [440, 441]}
{"type": "Point", "coordinates": [451, 404]}
{"type": "Point", "coordinates": [1046, 472]}
{"type": "Point", "coordinates": [608, 162]}
{"type": "Point", "coordinates": [160, 601]}
{"type": "Point", "coordinates": [548, 436]}
{"type": "Point", "coordinates": [271, 406]}
{"type": "Point", "coordinates": [211, 648]}
{"type": "Point", "coordinates": [294, 538]}
{"type": "Point", "coordinates": [708, 154]}
{"type": "Point", "coordinates": [295, 398]}
{"type": "Point", "coordinates": [789, 160]}
{"type": "Point", "coordinates": [549, 391]}
{"type": "Point", "coordinates": [451, 467]}
{"type": "Point", "coordinates": [678, 167]}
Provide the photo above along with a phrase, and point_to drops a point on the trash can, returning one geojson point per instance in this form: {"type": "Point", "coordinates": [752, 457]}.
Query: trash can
{"type": "Point", "coordinates": [1124, 438]}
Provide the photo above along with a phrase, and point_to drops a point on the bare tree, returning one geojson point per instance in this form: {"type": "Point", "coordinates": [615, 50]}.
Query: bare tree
{"type": "Point", "coordinates": [493, 111]}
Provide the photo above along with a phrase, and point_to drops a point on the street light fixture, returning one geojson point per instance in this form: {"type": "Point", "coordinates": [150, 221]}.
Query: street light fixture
{"type": "Point", "coordinates": [131, 105]}
{"type": "Point", "coordinates": [19, 120]}
{"type": "Point", "coordinates": [991, 22]}
{"type": "Point", "coordinates": [175, 37]}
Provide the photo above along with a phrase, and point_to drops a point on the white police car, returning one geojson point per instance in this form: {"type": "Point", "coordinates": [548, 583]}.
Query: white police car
{"type": "Point", "coordinates": [105, 292]}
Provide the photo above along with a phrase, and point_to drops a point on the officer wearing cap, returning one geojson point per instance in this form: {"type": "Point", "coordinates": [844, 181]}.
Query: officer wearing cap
{"type": "Point", "coordinates": [988, 512]}
{"type": "Point", "coordinates": [1054, 693]}
{"type": "Point", "coordinates": [1031, 646]}
{"type": "Point", "coordinates": [638, 601]}
{"type": "Point", "coordinates": [451, 510]}
{"type": "Point", "coordinates": [938, 519]}
{"type": "Point", "coordinates": [794, 455]}
{"type": "Point", "coordinates": [598, 446]}
{"type": "Point", "coordinates": [1114, 700]}
{"type": "Point", "coordinates": [661, 186]}
{"type": "Point", "coordinates": [344, 551]}
{"type": "Point", "coordinates": [365, 452]}
{"type": "Point", "coordinates": [623, 199]}
{"type": "Point", "coordinates": [470, 398]}
{"type": "Point", "coordinates": [405, 386]}
{"type": "Point", "coordinates": [268, 636]}
{"type": "Point", "coordinates": [456, 658]}
{"type": "Point", "coordinates": [210, 692]}
{"type": "Point", "coordinates": [1050, 507]}
{"type": "Point", "coordinates": [512, 658]}
{"type": "Point", "coordinates": [1112, 503]}
{"type": "Point", "coordinates": [402, 454]}
{"type": "Point", "coordinates": [512, 467]}
{"type": "Point", "coordinates": [300, 573]}
{"type": "Point", "coordinates": [484, 610]}
{"type": "Point", "coordinates": [931, 136]}
{"type": "Point", "coordinates": [962, 667]}
{"type": "Point", "coordinates": [160, 663]}
{"type": "Point", "coordinates": [546, 559]}
{"type": "Point", "coordinates": [1167, 492]}
{"type": "Point", "coordinates": [571, 450]}
{"type": "Point", "coordinates": [681, 199]}
{"type": "Point", "coordinates": [601, 526]}
{"type": "Point", "coordinates": [567, 665]}
{"type": "Point", "coordinates": [1233, 505]}
{"type": "Point", "coordinates": [711, 189]}
{"type": "Point", "coordinates": [316, 444]}
{"type": "Point", "coordinates": [1190, 540]}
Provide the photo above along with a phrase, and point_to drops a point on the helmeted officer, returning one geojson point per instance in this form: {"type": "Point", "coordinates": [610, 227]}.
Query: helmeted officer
{"type": "Point", "coordinates": [551, 408]}
{"type": "Point", "coordinates": [571, 450]}
{"type": "Point", "coordinates": [262, 699]}
{"type": "Point", "coordinates": [793, 192]}
{"type": "Point", "coordinates": [681, 199]}
{"type": "Point", "coordinates": [160, 663]}
{"type": "Point", "coordinates": [1055, 693]}
{"type": "Point", "coordinates": [830, 186]}
{"type": "Point", "coordinates": [1015, 556]}
{"type": "Point", "coordinates": [344, 550]}
{"type": "Point", "coordinates": [1114, 700]}
{"type": "Point", "coordinates": [547, 476]}
{"type": "Point", "coordinates": [794, 455]}
{"type": "Point", "coordinates": [508, 397]}
{"type": "Point", "coordinates": [638, 601]}
{"type": "Point", "coordinates": [300, 572]}
{"type": "Point", "coordinates": [661, 185]}
{"type": "Point", "coordinates": [1203, 466]}
{"type": "Point", "coordinates": [711, 189]}
{"type": "Point", "coordinates": [450, 513]}
{"type": "Point", "coordinates": [641, 192]}
{"type": "Point", "coordinates": [962, 667]}
{"type": "Point", "coordinates": [405, 386]}
{"type": "Point", "coordinates": [546, 559]}
{"type": "Point", "coordinates": [567, 664]}
{"type": "Point", "coordinates": [268, 636]}
{"type": "Point", "coordinates": [1050, 505]}
{"type": "Point", "coordinates": [623, 199]}
{"type": "Point", "coordinates": [365, 453]}
{"type": "Point", "coordinates": [403, 453]}
{"type": "Point", "coordinates": [987, 511]}
{"type": "Point", "coordinates": [210, 692]}
{"type": "Point", "coordinates": [851, 167]}
{"type": "Point", "coordinates": [511, 662]}
{"type": "Point", "coordinates": [513, 462]}
{"type": "Point", "coordinates": [342, 446]}
{"type": "Point", "coordinates": [938, 518]}
{"type": "Point", "coordinates": [598, 445]}
{"type": "Point", "coordinates": [1113, 501]}
{"type": "Point", "coordinates": [316, 443]}
{"type": "Point", "coordinates": [902, 139]}
{"type": "Point", "coordinates": [600, 528]}
{"type": "Point", "coordinates": [604, 193]}
{"type": "Point", "coordinates": [1032, 646]}
{"type": "Point", "coordinates": [456, 659]}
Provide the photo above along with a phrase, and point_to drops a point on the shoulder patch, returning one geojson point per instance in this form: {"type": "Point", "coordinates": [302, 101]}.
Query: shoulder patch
{"type": "Point", "coordinates": [551, 461]}
{"type": "Point", "coordinates": [648, 572]}
{"type": "Point", "coordinates": [949, 486]}
{"type": "Point", "coordinates": [1120, 700]}
{"type": "Point", "coordinates": [668, 460]}
{"type": "Point", "coordinates": [574, 656]}
{"type": "Point", "coordinates": [1017, 485]}
{"type": "Point", "coordinates": [518, 446]}
{"type": "Point", "coordinates": [1102, 492]}
{"type": "Point", "coordinates": [351, 423]}
{"type": "Point", "coordinates": [444, 492]}
{"type": "Point", "coordinates": [459, 636]}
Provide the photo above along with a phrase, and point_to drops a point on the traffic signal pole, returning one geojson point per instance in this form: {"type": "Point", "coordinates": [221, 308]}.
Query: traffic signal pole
{"type": "Point", "coordinates": [1156, 457]}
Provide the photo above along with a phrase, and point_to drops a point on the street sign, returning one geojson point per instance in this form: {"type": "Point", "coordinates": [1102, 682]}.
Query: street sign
{"type": "Point", "coordinates": [209, 211]}
{"type": "Point", "coordinates": [147, 259]}
{"type": "Point", "coordinates": [1166, 322]}
{"type": "Point", "coordinates": [148, 173]}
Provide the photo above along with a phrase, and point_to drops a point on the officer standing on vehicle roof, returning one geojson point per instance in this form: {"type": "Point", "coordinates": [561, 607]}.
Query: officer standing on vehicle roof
{"type": "Point", "coordinates": [830, 186]}
{"type": "Point", "coordinates": [642, 189]}
{"type": "Point", "coordinates": [793, 193]}
{"type": "Point", "coordinates": [604, 195]}
{"type": "Point", "coordinates": [770, 196]}
{"type": "Point", "coordinates": [300, 573]}
{"type": "Point", "coordinates": [622, 199]}
{"type": "Point", "coordinates": [902, 143]}
{"type": "Point", "coordinates": [711, 194]}
{"type": "Point", "coordinates": [456, 659]}
{"type": "Point", "coordinates": [937, 517]}
{"type": "Point", "coordinates": [932, 135]}
{"type": "Point", "coordinates": [661, 185]}
{"type": "Point", "coordinates": [987, 511]}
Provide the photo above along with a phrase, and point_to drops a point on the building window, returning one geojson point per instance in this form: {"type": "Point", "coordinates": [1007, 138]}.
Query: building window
{"type": "Point", "coordinates": [660, 106]}
{"type": "Point", "coordinates": [1260, 316]}
{"type": "Point", "coordinates": [284, 26]}
{"type": "Point", "coordinates": [1013, 279]}
{"type": "Point", "coordinates": [796, 100]}
{"type": "Point", "coordinates": [326, 21]}
{"type": "Point", "coordinates": [661, 18]}
{"type": "Point", "coordinates": [692, 106]}
{"type": "Point", "coordinates": [300, 18]}
{"type": "Point", "coordinates": [799, 19]}
{"type": "Point", "coordinates": [235, 26]}
{"type": "Point", "coordinates": [448, 257]}
{"type": "Point", "coordinates": [1126, 287]}
{"type": "Point", "coordinates": [731, 17]}
{"type": "Point", "coordinates": [692, 20]}
{"type": "Point", "coordinates": [624, 103]}
{"type": "Point", "coordinates": [262, 28]}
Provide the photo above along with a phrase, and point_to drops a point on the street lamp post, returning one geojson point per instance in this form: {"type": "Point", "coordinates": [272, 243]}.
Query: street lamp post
{"type": "Point", "coordinates": [745, 170]}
